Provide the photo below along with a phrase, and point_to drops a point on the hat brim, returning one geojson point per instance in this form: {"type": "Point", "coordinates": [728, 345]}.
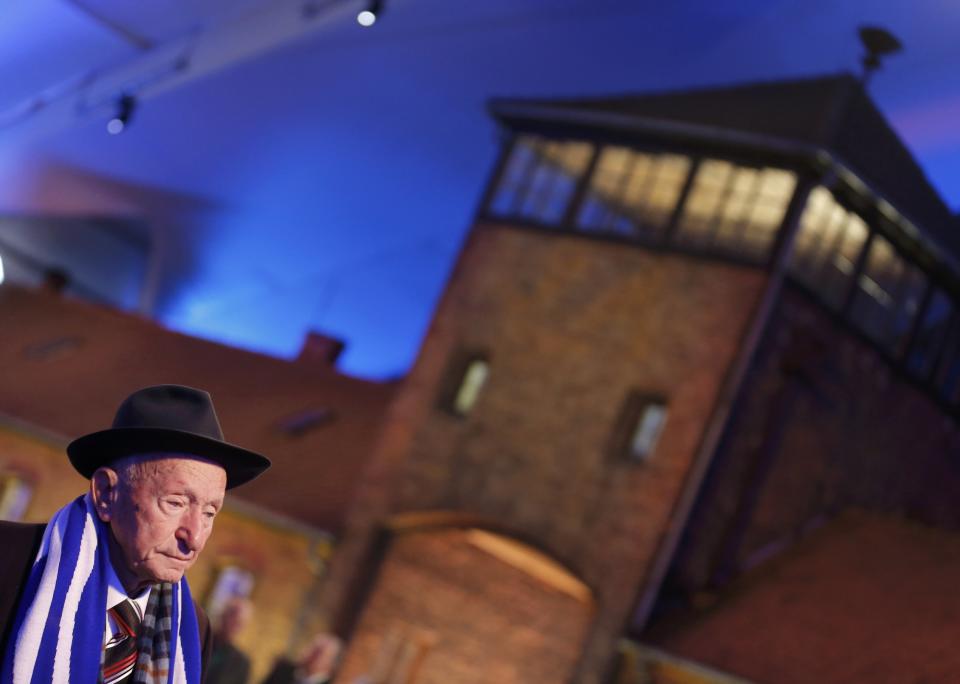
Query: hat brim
{"type": "Point", "coordinates": [101, 448]}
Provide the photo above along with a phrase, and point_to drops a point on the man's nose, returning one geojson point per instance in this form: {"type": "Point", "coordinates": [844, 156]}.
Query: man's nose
{"type": "Point", "coordinates": [191, 528]}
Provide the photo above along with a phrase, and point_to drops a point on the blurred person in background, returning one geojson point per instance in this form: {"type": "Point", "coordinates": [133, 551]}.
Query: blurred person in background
{"type": "Point", "coordinates": [316, 665]}
{"type": "Point", "coordinates": [228, 664]}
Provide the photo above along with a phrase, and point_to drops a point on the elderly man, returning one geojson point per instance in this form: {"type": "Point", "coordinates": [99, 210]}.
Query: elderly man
{"type": "Point", "coordinates": [98, 594]}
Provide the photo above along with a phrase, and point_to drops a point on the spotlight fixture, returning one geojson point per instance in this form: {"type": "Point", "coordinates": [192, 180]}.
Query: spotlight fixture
{"type": "Point", "coordinates": [125, 106]}
{"type": "Point", "coordinates": [368, 17]}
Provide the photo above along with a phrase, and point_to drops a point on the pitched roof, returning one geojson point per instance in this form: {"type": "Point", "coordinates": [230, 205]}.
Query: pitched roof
{"type": "Point", "coordinates": [832, 113]}
{"type": "Point", "coordinates": [868, 597]}
{"type": "Point", "coordinates": [67, 364]}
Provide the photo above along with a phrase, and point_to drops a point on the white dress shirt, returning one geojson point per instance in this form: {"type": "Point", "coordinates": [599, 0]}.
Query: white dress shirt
{"type": "Point", "coordinates": [117, 594]}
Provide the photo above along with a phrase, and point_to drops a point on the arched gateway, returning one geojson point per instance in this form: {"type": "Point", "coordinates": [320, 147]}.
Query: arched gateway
{"type": "Point", "coordinates": [471, 606]}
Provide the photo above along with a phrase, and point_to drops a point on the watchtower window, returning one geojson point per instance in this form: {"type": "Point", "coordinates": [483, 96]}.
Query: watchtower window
{"type": "Point", "coordinates": [828, 247]}
{"type": "Point", "coordinates": [932, 334]}
{"type": "Point", "coordinates": [539, 179]}
{"type": "Point", "coordinates": [735, 209]}
{"type": "Point", "coordinates": [633, 193]}
{"type": "Point", "coordinates": [947, 379]}
{"type": "Point", "coordinates": [888, 296]}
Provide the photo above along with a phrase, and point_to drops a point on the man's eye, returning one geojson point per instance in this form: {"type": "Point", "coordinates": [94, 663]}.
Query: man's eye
{"type": "Point", "coordinates": [175, 503]}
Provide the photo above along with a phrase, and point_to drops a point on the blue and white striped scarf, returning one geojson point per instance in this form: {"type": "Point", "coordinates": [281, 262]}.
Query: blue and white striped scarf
{"type": "Point", "coordinates": [58, 633]}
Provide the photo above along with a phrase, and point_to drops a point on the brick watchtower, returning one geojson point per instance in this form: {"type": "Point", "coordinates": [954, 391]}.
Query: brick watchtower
{"type": "Point", "coordinates": [600, 406]}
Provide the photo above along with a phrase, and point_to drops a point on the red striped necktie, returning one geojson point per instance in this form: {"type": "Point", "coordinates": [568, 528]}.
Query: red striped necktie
{"type": "Point", "coordinates": [120, 655]}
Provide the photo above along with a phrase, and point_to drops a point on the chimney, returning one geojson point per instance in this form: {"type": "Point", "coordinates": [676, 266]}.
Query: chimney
{"type": "Point", "coordinates": [320, 349]}
{"type": "Point", "coordinates": [55, 280]}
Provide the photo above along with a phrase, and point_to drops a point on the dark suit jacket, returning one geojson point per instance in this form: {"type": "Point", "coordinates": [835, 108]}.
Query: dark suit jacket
{"type": "Point", "coordinates": [19, 543]}
{"type": "Point", "coordinates": [228, 664]}
{"type": "Point", "coordinates": [285, 672]}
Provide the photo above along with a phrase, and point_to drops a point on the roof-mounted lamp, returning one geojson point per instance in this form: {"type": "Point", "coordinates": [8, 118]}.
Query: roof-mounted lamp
{"type": "Point", "coordinates": [879, 43]}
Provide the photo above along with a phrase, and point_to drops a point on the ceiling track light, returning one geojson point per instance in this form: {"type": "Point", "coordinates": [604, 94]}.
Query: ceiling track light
{"type": "Point", "coordinates": [368, 17]}
{"type": "Point", "coordinates": [125, 106]}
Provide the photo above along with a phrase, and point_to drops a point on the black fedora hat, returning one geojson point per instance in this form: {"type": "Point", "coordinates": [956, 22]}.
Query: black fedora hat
{"type": "Point", "coordinates": [170, 419]}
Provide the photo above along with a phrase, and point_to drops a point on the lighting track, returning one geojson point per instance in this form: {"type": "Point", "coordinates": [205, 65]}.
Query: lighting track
{"type": "Point", "coordinates": [115, 27]}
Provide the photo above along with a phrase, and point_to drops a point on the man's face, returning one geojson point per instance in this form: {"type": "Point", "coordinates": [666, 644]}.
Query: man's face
{"type": "Point", "coordinates": [161, 519]}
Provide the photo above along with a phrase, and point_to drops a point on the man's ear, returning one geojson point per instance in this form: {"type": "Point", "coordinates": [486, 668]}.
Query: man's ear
{"type": "Point", "coordinates": [103, 491]}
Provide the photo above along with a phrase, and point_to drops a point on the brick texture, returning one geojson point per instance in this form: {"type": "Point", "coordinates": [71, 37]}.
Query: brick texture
{"type": "Point", "coordinates": [868, 598]}
{"type": "Point", "coordinates": [854, 433]}
{"type": "Point", "coordinates": [67, 364]}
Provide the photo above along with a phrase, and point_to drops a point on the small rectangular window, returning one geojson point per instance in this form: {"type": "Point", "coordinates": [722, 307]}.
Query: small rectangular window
{"type": "Point", "coordinates": [473, 381]}
{"type": "Point", "coordinates": [307, 420]}
{"type": "Point", "coordinates": [15, 495]}
{"type": "Point", "coordinates": [647, 431]}
{"type": "Point", "coordinates": [465, 381]}
{"type": "Point", "coordinates": [639, 427]}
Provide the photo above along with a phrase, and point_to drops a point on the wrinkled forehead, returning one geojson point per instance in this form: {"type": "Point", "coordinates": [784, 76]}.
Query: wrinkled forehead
{"type": "Point", "coordinates": [174, 469]}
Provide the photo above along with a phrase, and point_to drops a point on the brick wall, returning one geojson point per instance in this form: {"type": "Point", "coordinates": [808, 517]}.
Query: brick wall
{"type": "Point", "coordinates": [570, 325]}
{"type": "Point", "coordinates": [281, 558]}
{"type": "Point", "coordinates": [316, 424]}
{"type": "Point", "coordinates": [867, 598]}
{"type": "Point", "coordinates": [43, 465]}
